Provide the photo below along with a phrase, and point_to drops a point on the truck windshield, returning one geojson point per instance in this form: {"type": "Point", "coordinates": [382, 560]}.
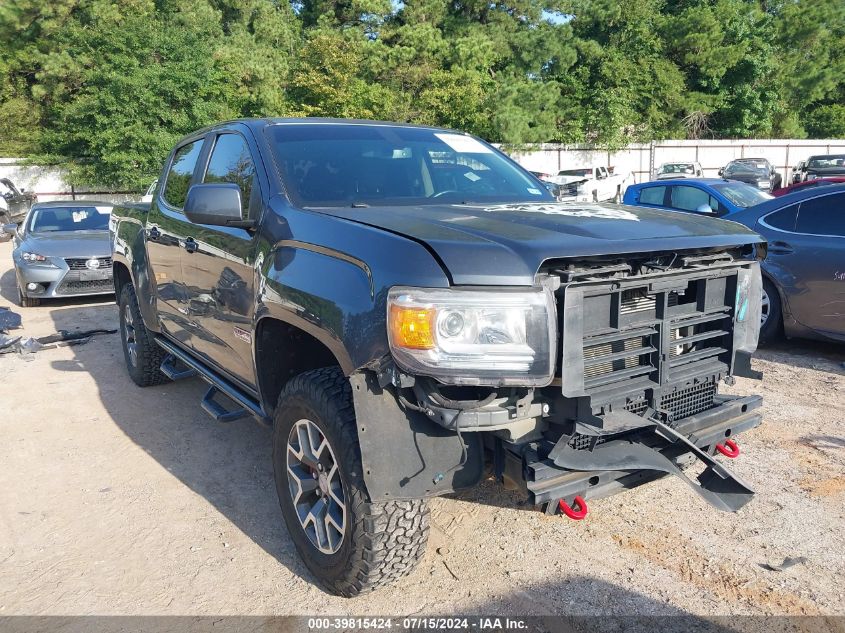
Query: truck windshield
{"type": "Point", "coordinates": [332, 165]}
{"type": "Point", "coordinates": [820, 162]}
{"type": "Point", "coordinates": [676, 168]}
{"type": "Point", "coordinates": [58, 219]}
{"type": "Point", "coordinates": [742, 195]}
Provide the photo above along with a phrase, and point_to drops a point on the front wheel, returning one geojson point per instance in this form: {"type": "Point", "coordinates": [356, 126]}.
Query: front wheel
{"type": "Point", "coordinates": [350, 543]}
{"type": "Point", "coordinates": [27, 302]}
{"type": "Point", "coordinates": [143, 357]}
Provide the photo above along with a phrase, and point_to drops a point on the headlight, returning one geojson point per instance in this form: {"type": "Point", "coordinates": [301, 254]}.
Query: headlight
{"type": "Point", "coordinates": [35, 258]}
{"type": "Point", "coordinates": [474, 337]}
{"type": "Point", "coordinates": [763, 184]}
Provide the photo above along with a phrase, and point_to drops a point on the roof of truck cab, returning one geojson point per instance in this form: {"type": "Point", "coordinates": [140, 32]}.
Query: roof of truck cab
{"type": "Point", "coordinates": [262, 122]}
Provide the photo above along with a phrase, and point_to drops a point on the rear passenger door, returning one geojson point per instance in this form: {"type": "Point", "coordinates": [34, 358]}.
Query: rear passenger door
{"type": "Point", "coordinates": [167, 227]}
{"type": "Point", "coordinates": [219, 263]}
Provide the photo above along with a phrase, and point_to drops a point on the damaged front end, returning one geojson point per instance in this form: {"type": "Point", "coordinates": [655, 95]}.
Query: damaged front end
{"type": "Point", "coordinates": [642, 344]}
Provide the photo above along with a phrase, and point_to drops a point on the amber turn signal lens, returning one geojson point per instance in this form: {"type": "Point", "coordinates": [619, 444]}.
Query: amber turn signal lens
{"type": "Point", "coordinates": [412, 328]}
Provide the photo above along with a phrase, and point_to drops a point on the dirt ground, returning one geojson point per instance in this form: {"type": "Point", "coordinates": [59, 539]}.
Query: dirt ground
{"type": "Point", "coordinates": [120, 500]}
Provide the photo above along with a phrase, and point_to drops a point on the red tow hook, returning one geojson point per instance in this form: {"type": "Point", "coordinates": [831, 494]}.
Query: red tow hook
{"type": "Point", "coordinates": [729, 449]}
{"type": "Point", "coordinates": [571, 512]}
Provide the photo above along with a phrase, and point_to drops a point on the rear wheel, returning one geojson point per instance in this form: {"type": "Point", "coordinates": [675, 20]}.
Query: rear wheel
{"type": "Point", "coordinates": [348, 542]}
{"type": "Point", "coordinates": [770, 315]}
{"type": "Point", "coordinates": [143, 357]}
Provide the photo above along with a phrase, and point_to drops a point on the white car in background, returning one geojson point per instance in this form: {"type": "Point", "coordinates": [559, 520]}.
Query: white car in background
{"type": "Point", "coordinates": [671, 171]}
{"type": "Point", "coordinates": [591, 184]}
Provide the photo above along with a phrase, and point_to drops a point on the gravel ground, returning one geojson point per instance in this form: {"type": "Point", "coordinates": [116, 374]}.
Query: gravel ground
{"type": "Point", "coordinates": [120, 500]}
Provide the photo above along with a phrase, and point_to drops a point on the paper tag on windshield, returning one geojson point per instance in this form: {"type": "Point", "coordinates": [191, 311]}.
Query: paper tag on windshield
{"type": "Point", "coordinates": [464, 144]}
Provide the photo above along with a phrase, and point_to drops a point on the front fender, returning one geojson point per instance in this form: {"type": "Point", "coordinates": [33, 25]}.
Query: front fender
{"type": "Point", "coordinates": [128, 240]}
{"type": "Point", "coordinates": [330, 277]}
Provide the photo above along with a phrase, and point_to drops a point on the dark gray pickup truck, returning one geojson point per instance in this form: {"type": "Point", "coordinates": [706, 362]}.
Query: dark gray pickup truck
{"type": "Point", "coordinates": [412, 312]}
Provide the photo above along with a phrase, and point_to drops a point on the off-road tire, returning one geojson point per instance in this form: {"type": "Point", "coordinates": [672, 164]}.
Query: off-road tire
{"type": "Point", "coordinates": [773, 328]}
{"type": "Point", "coordinates": [27, 302]}
{"type": "Point", "coordinates": [145, 372]}
{"type": "Point", "coordinates": [383, 540]}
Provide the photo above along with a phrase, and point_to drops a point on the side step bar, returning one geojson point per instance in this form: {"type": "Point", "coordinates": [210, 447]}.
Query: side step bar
{"type": "Point", "coordinates": [245, 405]}
{"type": "Point", "coordinates": [169, 369]}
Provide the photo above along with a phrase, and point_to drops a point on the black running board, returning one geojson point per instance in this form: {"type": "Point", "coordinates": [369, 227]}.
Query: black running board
{"type": "Point", "coordinates": [245, 405]}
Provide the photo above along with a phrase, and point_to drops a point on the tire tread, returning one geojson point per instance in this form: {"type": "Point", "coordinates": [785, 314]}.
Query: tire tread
{"type": "Point", "coordinates": [389, 537]}
{"type": "Point", "coordinates": [150, 355]}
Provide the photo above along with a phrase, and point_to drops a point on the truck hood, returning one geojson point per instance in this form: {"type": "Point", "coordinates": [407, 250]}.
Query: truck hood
{"type": "Point", "coordinates": [568, 180]}
{"type": "Point", "coordinates": [69, 244]}
{"type": "Point", "coordinates": [506, 244]}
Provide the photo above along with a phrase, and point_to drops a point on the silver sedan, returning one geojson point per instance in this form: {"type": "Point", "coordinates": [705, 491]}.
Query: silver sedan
{"type": "Point", "coordinates": [62, 249]}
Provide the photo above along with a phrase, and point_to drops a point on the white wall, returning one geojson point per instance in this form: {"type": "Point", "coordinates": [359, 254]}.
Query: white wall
{"type": "Point", "coordinates": [48, 182]}
{"type": "Point", "coordinates": [782, 153]}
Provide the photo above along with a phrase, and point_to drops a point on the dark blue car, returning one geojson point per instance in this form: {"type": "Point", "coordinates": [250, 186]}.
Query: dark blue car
{"type": "Point", "coordinates": [804, 272]}
{"type": "Point", "coordinates": [715, 197]}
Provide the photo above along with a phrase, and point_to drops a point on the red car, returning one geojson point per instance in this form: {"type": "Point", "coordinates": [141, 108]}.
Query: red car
{"type": "Point", "coordinates": [802, 186]}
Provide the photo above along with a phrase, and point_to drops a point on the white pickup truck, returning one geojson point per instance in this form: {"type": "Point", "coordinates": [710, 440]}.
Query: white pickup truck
{"type": "Point", "coordinates": [591, 184]}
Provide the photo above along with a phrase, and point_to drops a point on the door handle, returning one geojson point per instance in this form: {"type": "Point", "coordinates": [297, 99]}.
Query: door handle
{"type": "Point", "coordinates": [154, 233]}
{"type": "Point", "coordinates": [780, 248]}
{"type": "Point", "coordinates": [191, 245]}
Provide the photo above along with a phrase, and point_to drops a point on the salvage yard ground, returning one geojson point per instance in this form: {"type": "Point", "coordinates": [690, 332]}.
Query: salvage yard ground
{"type": "Point", "coordinates": [120, 500]}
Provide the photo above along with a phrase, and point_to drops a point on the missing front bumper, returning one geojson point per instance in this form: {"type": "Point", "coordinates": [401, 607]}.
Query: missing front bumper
{"type": "Point", "coordinates": [545, 481]}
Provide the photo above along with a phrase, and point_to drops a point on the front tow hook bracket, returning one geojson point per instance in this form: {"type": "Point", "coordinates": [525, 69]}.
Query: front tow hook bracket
{"type": "Point", "coordinates": [729, 449]}
{"type": "Point", "coordinates": [716, 484]}
{"type": "Point", "coordinates": [575, 513]}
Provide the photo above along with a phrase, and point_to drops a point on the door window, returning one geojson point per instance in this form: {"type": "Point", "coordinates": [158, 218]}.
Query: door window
{"type": "Point", "coordinates": [181, 171]}
{"type": "Point", "coordinates": [783, 219]}
{"type": "Point", "coordinates": [690, 198]}
{"type": "Point", "coordinates": [231, 162]}
{"type": "Point", "coordinates": [652, 195]}
{"type": "Point", "coordinates": [824, 215]}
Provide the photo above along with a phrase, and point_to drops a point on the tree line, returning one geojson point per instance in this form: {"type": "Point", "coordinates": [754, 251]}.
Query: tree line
{"type": "Point", "coordinates": [110, 85]}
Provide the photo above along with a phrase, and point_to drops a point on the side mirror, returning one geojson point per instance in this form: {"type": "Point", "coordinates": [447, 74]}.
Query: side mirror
{"type": "Point", "coordinates": [721, 171]}
{"type": "Point", "coordinates": [218, 204]}
{"type": "Point", "coordinates": [704, 208]}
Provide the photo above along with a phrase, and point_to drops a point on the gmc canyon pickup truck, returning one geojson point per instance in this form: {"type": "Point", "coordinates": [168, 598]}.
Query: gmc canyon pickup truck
{"type": "Point", "coordinates": [412, 312]}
